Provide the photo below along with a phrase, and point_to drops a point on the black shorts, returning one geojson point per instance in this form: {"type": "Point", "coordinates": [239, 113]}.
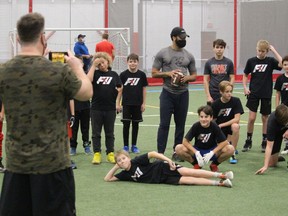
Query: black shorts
{"type": "Point", "coordinates": [45, 195]}
{"type": "Point", "coordinates": [170, 176]}
{"type": "Point", "coordinates": [132, 113]}
{"type": "Point", "coordinates": [227, 131]}
{"type": "Point", "coordinates": [253, 103]}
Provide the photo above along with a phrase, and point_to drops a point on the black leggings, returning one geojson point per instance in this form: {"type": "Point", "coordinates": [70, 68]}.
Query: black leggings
{"type": "Point", "coordinates": [126, 127]}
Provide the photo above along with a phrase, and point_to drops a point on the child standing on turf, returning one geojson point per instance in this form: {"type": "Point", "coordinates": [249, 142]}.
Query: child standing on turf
{"type": "Point", "coordinates": [260, 88]}
{"type": "Point", "coordinates": [281, 87]}
{"type": "Point", "coordinates": [162, 171]}
{"type": "Point", "coordinates": [277, 130]}
{"type": "Point", "coordinates": [210, 142]}
{"type": "Point", "coordinates": [107, 89]}
{"type": "Point", "coordinates": [133, 100]}
{"type": "Point", "coordinates": [227, 111]}
{"type": "Point", "coordinates": [217, 69]}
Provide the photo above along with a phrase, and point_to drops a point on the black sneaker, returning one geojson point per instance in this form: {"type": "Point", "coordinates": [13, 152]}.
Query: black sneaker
{"type": "Point", "coordinates": [281, 158]}
{"type": "Point", "coordinates": [285, 150]}
{"type": "Point", "coordinates": [263, 146]}
{"type": "Point", "coordinates": [73, 165]}
{"type": "Point", "coordinates": [247, 146]}
{"type": "Point", "coordinates": [176, 158]}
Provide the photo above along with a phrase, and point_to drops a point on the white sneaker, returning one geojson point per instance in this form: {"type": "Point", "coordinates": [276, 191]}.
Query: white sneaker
{"type": "Point", "coordinates": [227, 183]}
{"type": "Point", "coordinates": [284, 152]}
{"type": "Point", "coordinates": [229, 175]}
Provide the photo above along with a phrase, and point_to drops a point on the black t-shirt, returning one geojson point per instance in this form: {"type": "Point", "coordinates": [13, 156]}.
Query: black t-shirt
{"type": "Point", "coordinates": [205, 138]}
{"type": "Point", "coordinates": [281, 85]}
{"type": "Point", "coordinates": [224, 112]}
{"type": "Point", "coordinates": [105, 92]}
{"type": "Point", "coordinates": [143, 171]}
{"type": "Point", "coordinates": [261, 83]}
{"type": "Point", "coordinates": [274, 129]}
{"type": "Point", "coordinates": [133, 84]}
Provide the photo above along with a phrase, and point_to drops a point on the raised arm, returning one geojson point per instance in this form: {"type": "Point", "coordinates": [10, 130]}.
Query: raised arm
{"type": "Point", "coordinates": [277, 55]}
{"type": "Point", "coordinates": [110, 175]}
{"type": "Point", "coordinates": [86, 91]}
{"type": "Point", "coordinates": [154, 154]}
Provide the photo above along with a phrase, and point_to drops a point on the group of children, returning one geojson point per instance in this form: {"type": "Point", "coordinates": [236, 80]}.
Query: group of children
{"type": "Point", "coordinates": [216, 134]}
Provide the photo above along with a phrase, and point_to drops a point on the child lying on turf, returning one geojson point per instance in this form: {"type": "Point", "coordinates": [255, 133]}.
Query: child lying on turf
{"type": "Point", "coordinates": [163, 170]}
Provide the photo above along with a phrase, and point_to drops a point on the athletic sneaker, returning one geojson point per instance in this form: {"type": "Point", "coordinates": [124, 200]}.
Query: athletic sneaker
{"type": "Point", "coordinates": [285, 150]}
{"type": "Point", "coordinates": [176, 158]}
{"type": "Point", "coordinates": [126, 148]}
{"type": "Point", "coordinates": [134, 149]}
{"type": "Point", "coordinates": [72, 151]}
{"type": "Point", "coordinates": [263, 146]}
{"type": "Point", "coordinates": [226, 183]}
{"type": "Point", "coordinates": [87, 149]}
{"type": "Point", "coordinates": [214, 167]}
{"type": "Point", "coordinates": [110, 158]}
{"type": "Point", "coordinates": [247, 146]}
{"type": "Point", "coordinates": [73, 165]}
{"type": "Point", "coordinates": [233, 160]}
{"type": "Point", "coordinates": [236, 151]}
{"type": "Point", "coordinates": [281, 158]}
{"type": "Point", "coordinates": [96, 158]}
{"type": "Point", "coordinates": [196, 166]}
{"type": "Point", "coordinates": [229, 175]}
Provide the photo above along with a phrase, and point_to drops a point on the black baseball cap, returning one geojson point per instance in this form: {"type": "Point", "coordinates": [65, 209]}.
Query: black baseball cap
{"type": "Point", "coordinates": [178, 31]}
{"type": "Point", "coordinates": [82, 36]}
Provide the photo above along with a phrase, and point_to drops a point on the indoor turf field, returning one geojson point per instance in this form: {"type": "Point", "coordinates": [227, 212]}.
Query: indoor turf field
{"type": "Point", "coordinates": [251, 195]}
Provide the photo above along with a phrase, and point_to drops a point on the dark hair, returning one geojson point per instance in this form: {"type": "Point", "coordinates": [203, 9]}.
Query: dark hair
{"type": "Point", "coordinates": [133, 56]}
{"type": "Point", "coordinates": [281, 114]}
{"type": "Point", "coordinates": [105, 36]}
{"type": "Point", "coordinates": [29, 27]}
{"type": "Point", "coordinates": [207, 109]}
{"type": "Point", "coordinates": [285, 58]}
{"type": "Point", "coordinates": [219, 42]}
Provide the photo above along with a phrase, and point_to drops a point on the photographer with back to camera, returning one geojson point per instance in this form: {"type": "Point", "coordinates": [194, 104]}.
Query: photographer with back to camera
{"type": "Point", "coordinates": [35, 91]}
{"type": "Point", "coordinates": [169, 63]}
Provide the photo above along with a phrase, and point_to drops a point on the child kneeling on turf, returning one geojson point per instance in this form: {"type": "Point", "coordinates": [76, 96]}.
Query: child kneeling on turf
{"type": "Point", "coordinates": [210, 142]}
{"type": "Point", "coordinates": [162, 171]}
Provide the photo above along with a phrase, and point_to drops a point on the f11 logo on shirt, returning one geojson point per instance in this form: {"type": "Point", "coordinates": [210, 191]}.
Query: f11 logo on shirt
{"type": "Point", "coordinates": [225, 112]}
{"type": "Point", "coordinates": [284, 86]}
{"type": "Point", "coordinates": [138, 173]}
{"type": "Point", "coordinates": [204, 137]}
{"type": "Point", "coordinates": [260, 68]}
{"type": "Point", "coordinates": [132, 81]}
{"type": "Point", "coordinates": [104, 80]}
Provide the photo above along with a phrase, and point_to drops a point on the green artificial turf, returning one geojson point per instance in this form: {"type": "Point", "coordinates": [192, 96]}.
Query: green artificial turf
{"type": "Point", "coordinates": [251, 195]}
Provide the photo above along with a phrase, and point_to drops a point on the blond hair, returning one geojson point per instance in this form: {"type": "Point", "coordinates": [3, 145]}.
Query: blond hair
{"type": "Point", "coordinates": [121, 152]}
{"type": "Point", "coordinates": [223, 85]}
{"type": "Point", "coordinates": [105, 56]}
{"type": "Point", "coordinates": [263, 45]}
